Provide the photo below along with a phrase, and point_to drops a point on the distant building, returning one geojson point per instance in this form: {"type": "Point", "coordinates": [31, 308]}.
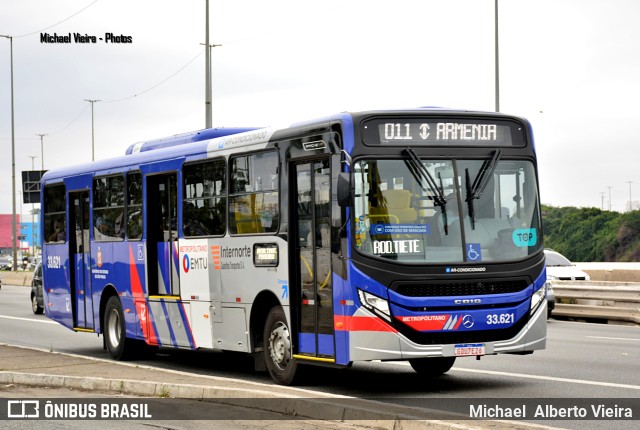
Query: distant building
{"type": "Point", "coordinates": [29, 234]}
{"type": "Point", "coordinates": [6, 233]}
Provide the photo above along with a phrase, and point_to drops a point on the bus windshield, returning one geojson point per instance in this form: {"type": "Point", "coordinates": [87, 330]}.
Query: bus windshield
{"type": "Point", "coordinates": [408, 210]}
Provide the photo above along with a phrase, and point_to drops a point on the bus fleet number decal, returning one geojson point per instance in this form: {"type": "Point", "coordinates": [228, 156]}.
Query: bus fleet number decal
{"type": "Point", "coordinates": [53, 261]}
{"type": "Point", "coordinates": [497, 319]}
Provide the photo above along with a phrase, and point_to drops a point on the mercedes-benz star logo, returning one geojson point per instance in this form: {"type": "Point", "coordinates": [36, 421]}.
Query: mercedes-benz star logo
{"type": "Point", "coordinates": [467, 321]}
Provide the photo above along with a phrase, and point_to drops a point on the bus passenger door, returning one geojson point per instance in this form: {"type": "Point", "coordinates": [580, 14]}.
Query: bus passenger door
{"type": "Point", "coordinates": [79, 252]}
{"type": "Point", "coordinates": [311, 209]}
{"type": "Point", "coordinates": [162, 235]}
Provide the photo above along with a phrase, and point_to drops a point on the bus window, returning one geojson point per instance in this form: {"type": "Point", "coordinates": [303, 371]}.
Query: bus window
{"type": "Point", "coordinates": [108, 208]}
{"type": "Point", "coordinates": [205, 201]}
{"type": "Point", "coordinates": [54, 214]}
{"type": "Point", "coordinates": [253, 202]}
{"type": "Point", "coordinates": [134, 206]}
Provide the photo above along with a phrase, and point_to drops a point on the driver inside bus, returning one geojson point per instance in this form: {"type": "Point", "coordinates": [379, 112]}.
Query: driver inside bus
{"type": "Point", "coordinates": [58, 233]}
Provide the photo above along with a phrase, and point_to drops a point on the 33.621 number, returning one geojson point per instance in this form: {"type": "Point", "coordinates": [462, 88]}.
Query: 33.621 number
{"type": "Point", "coordinates": [495, 319]}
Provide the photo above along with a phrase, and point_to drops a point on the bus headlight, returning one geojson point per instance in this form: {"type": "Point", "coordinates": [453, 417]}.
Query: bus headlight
{"type": "Point", "coordinates": [377, 305]}
{"type": "Point", "coordinates": [538, 298]}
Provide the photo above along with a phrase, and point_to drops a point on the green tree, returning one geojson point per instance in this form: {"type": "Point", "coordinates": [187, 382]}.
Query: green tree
{"type": "Point", "coordinates": [590, 234]}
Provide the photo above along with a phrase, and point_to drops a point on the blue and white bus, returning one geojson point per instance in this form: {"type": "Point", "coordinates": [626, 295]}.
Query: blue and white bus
{"type": "Point", "coordinates": [381, 235]}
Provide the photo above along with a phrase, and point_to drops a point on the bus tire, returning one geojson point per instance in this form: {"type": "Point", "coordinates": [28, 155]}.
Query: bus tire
{"type": "Point", "coordinates": [118, 346]}
{"type": "Point", "coordinates": [278, 351]}
{"type": "Point", "coordinates": [434, 366]}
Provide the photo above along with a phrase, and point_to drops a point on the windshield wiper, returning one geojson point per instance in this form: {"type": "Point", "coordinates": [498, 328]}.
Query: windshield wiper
{"type": "Point", "coordinates": [475, 190]}
{"type": "Point", "coordinates": [422, 175]}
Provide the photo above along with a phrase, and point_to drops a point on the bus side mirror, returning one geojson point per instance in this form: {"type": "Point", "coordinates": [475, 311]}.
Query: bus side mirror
{"type": "Point", "coordinates": [344, 189]}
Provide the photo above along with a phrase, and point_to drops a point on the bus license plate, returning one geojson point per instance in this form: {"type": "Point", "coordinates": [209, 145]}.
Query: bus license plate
{"type": "Point", "coordinates": [469, 349]}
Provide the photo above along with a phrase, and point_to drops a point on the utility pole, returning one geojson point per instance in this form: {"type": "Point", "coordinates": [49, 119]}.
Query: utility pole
{"type": "Point", "coordinates": [33, 231]}
{"type": "Point", "coordinates": [630, 205]}
{"type": "Point", "coordinates": [14, 237]}
{"type": "Point", "coordinates": [208, 91]}
{"type": "Point", "coordinates": [208, 111]}
{"type": "Point", "coordinates": [609, 198]}
{"type": "Point", "coordinates": [93, 143]}
{"type": "Point", "coordinates": [602, 200]}
{"type": "Point", "coordinates": [207, 60]}
{"type": "Point", "coordinates": [497, 59]}
{"type": "Point", "coordinates": [42, 135]}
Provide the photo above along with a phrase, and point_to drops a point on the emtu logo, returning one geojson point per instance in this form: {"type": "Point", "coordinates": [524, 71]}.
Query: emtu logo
{"type": "Point", "coordinates": [215, 253]}
{"type": "Point", "coordinates": [186, 263]}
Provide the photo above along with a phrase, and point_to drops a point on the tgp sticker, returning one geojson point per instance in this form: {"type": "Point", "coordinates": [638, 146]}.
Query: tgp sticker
{"type": "Point", "coordinates": [523, 237]}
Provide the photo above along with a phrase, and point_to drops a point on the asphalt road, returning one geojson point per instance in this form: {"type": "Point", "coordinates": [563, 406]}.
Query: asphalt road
{"type": "Point", "coordinates": [582, 360]}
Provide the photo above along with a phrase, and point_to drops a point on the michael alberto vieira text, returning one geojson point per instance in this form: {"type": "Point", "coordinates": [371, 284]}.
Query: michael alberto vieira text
{"type": "Point", "coordinates": [594, 411]}
{"type": "Point", "coordinates": [84, 38]}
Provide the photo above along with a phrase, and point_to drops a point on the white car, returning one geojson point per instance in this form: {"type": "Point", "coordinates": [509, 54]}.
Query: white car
{"type": "Point", "coordinates": [561, 269]}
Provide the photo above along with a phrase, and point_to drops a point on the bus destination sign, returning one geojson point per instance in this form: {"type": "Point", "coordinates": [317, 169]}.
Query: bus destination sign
{"type": "Point", "coordinates": [446, 132]}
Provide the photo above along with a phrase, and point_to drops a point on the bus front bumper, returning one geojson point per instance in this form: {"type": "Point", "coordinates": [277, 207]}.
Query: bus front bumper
{"type": "Point", "coordinates": [389, 344]}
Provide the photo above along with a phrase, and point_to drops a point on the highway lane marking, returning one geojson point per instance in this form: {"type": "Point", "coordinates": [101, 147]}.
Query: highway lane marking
{"type": "Point", "coordinates": [614, 338]}
{"type": "Point", "coordinates": [541, 377]}
{"type": "Point", "coordinates": [28, 319]}
{"type": "Point", "coordinates": [259, 387]}
{"type": "Point", "coordinates": [550, 378]}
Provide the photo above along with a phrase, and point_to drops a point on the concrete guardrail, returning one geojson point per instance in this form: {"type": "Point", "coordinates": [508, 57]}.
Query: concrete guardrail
{"type": "Point", "coordinates": [16, 278]}
{"type": "Point", "coordinates": [611, 301]}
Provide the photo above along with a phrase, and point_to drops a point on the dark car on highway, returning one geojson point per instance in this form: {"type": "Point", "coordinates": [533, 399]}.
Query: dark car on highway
{"type": "Point", "coordinates": [37, 298]}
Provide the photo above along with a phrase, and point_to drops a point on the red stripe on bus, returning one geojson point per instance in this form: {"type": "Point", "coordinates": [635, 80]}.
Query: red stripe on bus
{"type": "Point", "coordinates": [142, 307]}
{"type": "Point", "coordinates": [361, 323]}
{"type": "Point", "coordinates": [425, 323]}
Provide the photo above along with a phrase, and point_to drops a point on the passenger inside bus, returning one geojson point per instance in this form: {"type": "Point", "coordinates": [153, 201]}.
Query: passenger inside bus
{"type": "Point", "coordinates": [58, 234]}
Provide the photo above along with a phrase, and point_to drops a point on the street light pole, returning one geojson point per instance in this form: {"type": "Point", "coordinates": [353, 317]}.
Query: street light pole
{"type": "Point", "coordinates": [93, 145]}
{"type": "Point", "coordinates": [14, 250]}
{"type": "Point", "coordinates": [208, 96]}
{"type": "Point", "coordinates": [42, 135]}
{"type": "Point", "coordinates": [497, 59]}
{"type": "Point", "coordinates": [33, 231]}
{"type": "Point", "coordinates": [207, 71]}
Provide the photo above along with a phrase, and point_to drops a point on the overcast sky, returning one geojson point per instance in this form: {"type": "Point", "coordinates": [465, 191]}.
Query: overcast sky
{"type": "Point", "coordinates": [572, 67]}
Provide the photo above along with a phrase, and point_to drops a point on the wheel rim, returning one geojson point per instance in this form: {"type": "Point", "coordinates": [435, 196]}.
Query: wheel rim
{"type": "Point", "coordinates": [113, 328]}
{"type": "Point", "coordinates": [280, 345]}
{"type": "Point", "coordinates": [34, 303]}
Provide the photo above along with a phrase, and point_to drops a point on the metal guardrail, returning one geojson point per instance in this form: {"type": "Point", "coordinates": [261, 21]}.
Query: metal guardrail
{"type": "Point", "coordinates": [612, 301]}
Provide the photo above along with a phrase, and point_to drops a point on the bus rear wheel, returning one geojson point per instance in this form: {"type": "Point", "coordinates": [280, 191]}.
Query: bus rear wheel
{"type": "Point", "coordinates": [434, 366]}
{"type": "Point", "coordinates": [118, 346]}
{"type": "Point", "coordinates": [278, 353]}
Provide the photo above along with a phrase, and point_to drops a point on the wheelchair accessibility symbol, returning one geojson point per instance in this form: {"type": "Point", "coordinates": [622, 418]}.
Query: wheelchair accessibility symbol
{"type": "Point", "coordinates": [474, 252]}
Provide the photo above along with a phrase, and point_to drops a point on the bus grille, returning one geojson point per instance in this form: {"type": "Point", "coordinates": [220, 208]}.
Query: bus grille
{"type": "Point", "coordinates": [466, 288]}
{"type": "Point", "coordinates": [456, 337]}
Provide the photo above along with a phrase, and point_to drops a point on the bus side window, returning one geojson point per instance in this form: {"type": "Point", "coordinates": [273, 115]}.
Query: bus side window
{"type": "Point", "coordinates": [205, 198]}
{"type": "Point", "coordinates": [253, 200]}
{"type": "Point", "coordinates": [108, 208]}
{"type": "Point", "coordinates": [134, 206]}
{"type": "Point", "coordinates": [54, 213]}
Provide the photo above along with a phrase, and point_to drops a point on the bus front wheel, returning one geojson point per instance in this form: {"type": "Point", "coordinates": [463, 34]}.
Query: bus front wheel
{"type": "Point", "coordinates": [435, 366]}
{"type": "Point", "coordinates": [277, 347]}
{"type": "Point", "coordinates": [115, 331]}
